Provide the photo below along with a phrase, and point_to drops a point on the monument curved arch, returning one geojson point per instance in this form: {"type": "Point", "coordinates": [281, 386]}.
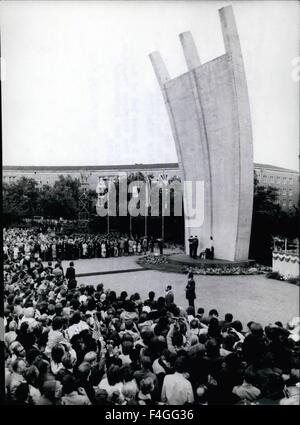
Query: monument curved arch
{"type": "Point", "coordinates": [209, 113]}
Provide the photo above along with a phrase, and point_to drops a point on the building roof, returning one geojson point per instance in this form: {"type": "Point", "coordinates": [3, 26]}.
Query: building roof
{"type": "Point", "coordinates": [90, 167]}
{"type": "Point", "coordinates": [169, 165]}
{"type": "Point", "coordinates": [274, 168]}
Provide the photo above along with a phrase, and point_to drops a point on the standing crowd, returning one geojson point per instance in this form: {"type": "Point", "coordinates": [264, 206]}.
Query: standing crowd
{"type": "Point", "coordinates": [51, 246]}
{"type": "Point", "coordinates": [87, 345]}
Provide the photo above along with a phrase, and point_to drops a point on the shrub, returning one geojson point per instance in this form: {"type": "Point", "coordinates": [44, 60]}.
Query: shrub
{"type": "Point", "coordinates": [274, 275]}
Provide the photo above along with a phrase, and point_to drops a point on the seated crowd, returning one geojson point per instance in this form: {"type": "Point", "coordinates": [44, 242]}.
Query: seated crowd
{"type": "Point", "coordinates": [85, 345]}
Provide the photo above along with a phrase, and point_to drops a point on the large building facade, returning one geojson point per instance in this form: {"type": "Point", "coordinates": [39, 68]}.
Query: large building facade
{"type": "Point", "coordinates": [47, 175]}
{"type": "Point", "coordinates": [283, 179]}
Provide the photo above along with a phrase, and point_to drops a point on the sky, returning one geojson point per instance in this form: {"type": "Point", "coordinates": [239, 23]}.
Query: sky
{"type": "Point", "coordinates": [78, 87]}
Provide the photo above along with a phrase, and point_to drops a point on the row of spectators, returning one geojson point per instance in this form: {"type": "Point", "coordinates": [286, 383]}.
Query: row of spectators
{"type": "Point", "coordinates": [88, 345]}
{"type": "Point", "coordinates": [50, 246]}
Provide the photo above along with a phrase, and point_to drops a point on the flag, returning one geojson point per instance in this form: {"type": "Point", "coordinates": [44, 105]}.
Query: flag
{"type": "Point", "coordinates": [165, 182]}
{"type": "Point", "coordinates": [101, 191]}
{"type": "Point", "coordinates": [147, 192]}
{"type": "Point", "coordinates": [135, 192]}
{"type": "Point", "coordinates": [97, 329]}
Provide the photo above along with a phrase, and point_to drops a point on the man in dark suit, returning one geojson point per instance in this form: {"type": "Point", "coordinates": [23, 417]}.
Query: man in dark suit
{"type": "Point", "coordinates": [71, 273]}
{"type": "Point", "coordinates": [151, 244]}
{"type": "Point", "coordinates": [191, 243]}
{"type": "Point", "coordinates": [212, 250]}
{"type": "Point", "coordinates": [169, 297]}
{"type": "Point", "coordinates": [160, 245]}
{"type": "Point", "coordinates": [190, 292]}
{"type": "Point", "coordinates": [195, 246]}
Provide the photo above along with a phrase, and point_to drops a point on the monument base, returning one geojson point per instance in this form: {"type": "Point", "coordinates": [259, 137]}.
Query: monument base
{"type": "Point", "coordinates": [185, 260]}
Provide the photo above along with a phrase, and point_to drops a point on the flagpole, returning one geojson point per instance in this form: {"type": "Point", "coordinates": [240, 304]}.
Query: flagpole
{"type": "Point", "coordinates": [130, 216]}
{"type": "Point", "coordinates": [146, 203]}
{"type": "Point", "coordinates": [163, 210]}
{"type": "Point", "coordinates": [108, 210]}
{"type": "Point", "coordinates": [130, 224]}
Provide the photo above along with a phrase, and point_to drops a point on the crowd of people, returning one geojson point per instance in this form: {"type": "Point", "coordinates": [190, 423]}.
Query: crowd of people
{"type": "Point", "coordinates": [70, 344]}
{"type": "Point", "coordinates": [51, 246]}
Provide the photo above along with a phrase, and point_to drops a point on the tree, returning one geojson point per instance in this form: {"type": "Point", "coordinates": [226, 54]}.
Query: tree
{"type": "Point", "coordinates": [62, 199]}
{"type": "Point", "coordinates": [289, 224]}
{"type": "Point", "coordinates": [20, 200]}
{"type": "Point", "coordinates": [266, 219]}
{"type": "Point", "coordinates": [23, 199]}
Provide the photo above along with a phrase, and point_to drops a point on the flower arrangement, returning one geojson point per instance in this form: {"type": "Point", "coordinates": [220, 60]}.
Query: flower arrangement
{"type": "Point", "coordinates": [162, 261]}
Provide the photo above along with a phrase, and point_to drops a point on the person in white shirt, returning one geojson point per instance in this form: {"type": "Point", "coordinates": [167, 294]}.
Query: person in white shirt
{"type": "Point", "coordinates": [11, 335]}
{"type": "Point", "coordinates": [84, 249]}
{"type": "Point", "coordinates": [28, 317]}
{"type": "Point", "coordinates": [55, 335]}
{"type": "Point", "coordinates": [247, 391]}
{"type": "Point", "coordinates": [78, 325]}
{"type": "Point", "coordinates": [112, 382]}
{"type": "Point", "coordinates": [31, 375]}
{"type": "Point", "coordinates": [27, 248]}
{"type": "Point", "coordinates": [16, 252]}
{"type": "Point", "coordinates": [177, 389]}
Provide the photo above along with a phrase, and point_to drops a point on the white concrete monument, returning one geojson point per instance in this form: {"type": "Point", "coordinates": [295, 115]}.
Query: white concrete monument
{"type": "Point", "coordinates": [209, 112]}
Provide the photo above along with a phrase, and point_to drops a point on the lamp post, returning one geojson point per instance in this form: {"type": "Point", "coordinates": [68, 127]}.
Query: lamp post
{"type": "Point", "coordinates": [107, 185]}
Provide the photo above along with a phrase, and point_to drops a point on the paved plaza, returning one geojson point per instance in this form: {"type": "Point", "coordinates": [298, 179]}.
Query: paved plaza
{"type": "Point", "coordinates": [103, 265]}
{"type": "Point", "coordinates": [246, 297]}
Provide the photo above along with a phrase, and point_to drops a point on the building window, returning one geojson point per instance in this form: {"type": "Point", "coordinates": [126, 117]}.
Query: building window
{"type": "Point", "coordinates": [290, 192]}
{"type": "Point", "coordinates": [278, 180]}
{"type": "Point", "coordinates": [291, 180]}
{"type": "Point", "coordinates": [284, 204]}
{"type": "Point", "coordinates": [290, 204]}
{"type": "Point", "coordinates": [284, 180]}
{"type": "Point", "coordinates": [264, 179]}
{"type": "Point", "coordinates": [271, 179]}
{"type": "Point", "coordinates": [284, 192]}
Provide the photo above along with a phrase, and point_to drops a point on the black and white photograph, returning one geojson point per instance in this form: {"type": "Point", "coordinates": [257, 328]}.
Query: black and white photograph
{"type": "Point", "coordinates": [150, 206]}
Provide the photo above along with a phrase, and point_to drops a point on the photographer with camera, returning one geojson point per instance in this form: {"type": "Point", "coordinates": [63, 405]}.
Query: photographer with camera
{"type": "Point", "coordinates": [179, 336]}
